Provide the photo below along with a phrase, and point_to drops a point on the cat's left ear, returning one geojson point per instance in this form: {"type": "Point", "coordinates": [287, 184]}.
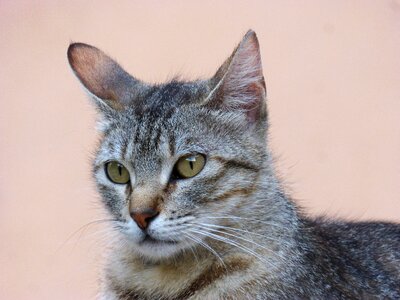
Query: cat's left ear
{"type": "Point", "coordinates": [239, 84]}
{"type": "Point", "coordinates": [104, 79]}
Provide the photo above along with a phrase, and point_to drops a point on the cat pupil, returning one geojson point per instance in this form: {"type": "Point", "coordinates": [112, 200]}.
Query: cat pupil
{"type": "Point", "coordinates": [120, 170]}
{"type": "Point", "coordinates": [191, 164]}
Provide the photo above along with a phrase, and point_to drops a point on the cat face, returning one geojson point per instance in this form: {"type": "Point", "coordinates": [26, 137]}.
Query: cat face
{"type": "Point", "coordinates": [179, 156]}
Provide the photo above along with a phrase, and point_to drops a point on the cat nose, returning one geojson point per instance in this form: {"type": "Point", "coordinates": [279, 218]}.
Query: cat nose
{"type": "Point", "coordinates": [144, 217]}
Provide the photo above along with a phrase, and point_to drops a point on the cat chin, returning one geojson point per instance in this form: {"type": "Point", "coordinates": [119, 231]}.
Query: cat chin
{"type": "Point", "coordinates": [158, 251]}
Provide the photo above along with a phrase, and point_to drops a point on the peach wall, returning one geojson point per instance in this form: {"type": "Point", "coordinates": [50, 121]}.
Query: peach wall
{"type": "Point", "coordinates": [333, 74]}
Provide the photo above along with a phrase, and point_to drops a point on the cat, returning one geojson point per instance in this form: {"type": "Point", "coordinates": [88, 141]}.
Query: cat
{"type": "Point", "coordinates": [185, 172]}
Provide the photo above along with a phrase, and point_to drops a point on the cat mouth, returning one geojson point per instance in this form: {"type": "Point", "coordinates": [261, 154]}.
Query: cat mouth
{"type": "Point", "coordinates": [152, 241]}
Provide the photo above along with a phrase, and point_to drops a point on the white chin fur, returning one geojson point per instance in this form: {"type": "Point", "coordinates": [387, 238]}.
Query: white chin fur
{"type": "Point", "coordinates": [159, 251]}
{"type": "Point", "coordinates": [151, 250]}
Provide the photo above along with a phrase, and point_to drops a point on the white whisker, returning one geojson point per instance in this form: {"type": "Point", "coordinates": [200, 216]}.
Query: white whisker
{"type": "Point", "coordinates": [233, 243]}
{"type": "Point", "coordinates": [243, 239]}
{"type": "Point", "coordinates": [205, 245]}
{"type": "Point", "coordinates": [232, 229]}
{"type": "Point", "coordinates": [280, 226]}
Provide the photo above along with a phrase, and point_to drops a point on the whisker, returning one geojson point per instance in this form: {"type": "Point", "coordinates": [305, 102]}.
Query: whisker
{"type": "Point", "coordinates": [205, 245]}
{"type": "Point", "coordinates": [100, 234]}
{"type": "Point", "coordinates": [233, 243]}
{"type": "Point", "coordinates": [248, 220]}
{"type": "Point", "coordinates": [83, 229]}
{"type": "Point", "coordinates": [193, 249]}
{"type": "Point", "coordinates": [246, 240]}
{"type": "Point", "coordinates": [232, 229]}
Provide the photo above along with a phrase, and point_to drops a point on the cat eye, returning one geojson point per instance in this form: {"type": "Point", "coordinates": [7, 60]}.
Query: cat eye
{"type": "Point", "coordinates": [189, 166]}
{"type": "Point", "coordinates": [117, 173]}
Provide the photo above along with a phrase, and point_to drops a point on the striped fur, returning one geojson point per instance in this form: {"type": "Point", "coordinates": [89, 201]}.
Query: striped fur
{"type": "Point", "coordinates": [229, 232]}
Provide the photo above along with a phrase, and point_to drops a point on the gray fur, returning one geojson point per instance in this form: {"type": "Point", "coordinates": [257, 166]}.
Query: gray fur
{"type": "Point", "coordinates": [238, 235]}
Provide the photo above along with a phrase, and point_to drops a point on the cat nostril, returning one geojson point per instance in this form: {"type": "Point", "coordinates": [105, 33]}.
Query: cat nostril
{"type": "Point", "coordinates": [144, 217]}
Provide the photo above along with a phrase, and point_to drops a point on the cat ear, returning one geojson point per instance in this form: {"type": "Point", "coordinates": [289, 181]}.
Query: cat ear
{"type": "Point", "coordinates": [239, 83]}
{"type": "Point", "coordinates": [103, 78]}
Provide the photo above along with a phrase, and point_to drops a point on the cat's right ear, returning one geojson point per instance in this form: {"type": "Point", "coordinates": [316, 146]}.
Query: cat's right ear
{"type": "Point", "coordinates": [104, 79]}
{"type": "Point", "coordinates": [239, 84]}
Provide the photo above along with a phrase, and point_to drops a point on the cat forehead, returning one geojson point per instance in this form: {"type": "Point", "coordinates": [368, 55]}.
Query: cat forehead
{"type": "Point", "coordinates": [170, 130]}
{"type": "Point", "coordinates": [161, 109]}
{"type": "Point", "coordinates": [166, 116]}
{"type": "Point", "coordinates": [175, 132]}
{"type": "Point", "coordinates": [159, 99]}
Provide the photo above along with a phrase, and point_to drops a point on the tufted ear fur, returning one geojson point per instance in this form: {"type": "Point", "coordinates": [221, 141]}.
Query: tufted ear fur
{"type": "Point", "coordinates": [104, 79]}
{"type": "Point", "coordinates": [239, 83]}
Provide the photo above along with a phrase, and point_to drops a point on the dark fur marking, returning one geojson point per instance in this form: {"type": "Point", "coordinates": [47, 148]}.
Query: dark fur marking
{"type": "Point", "coordinates": [234, 163]}
{"type": "Point", "coordinates": [171, 143]}
{"type": "Point", "coordinates": [156, 139]}
{"type": "Point", "coordinates": [170, 188]}
{"type": "Point", "coordinates": [212, 274]}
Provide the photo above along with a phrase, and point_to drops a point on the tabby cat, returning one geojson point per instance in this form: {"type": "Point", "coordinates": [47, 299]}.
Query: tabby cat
{"type": "Point", "coordinates": [185, 172]}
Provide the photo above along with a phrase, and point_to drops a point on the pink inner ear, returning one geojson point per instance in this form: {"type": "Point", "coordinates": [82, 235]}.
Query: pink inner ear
{"type": "Point", "coordinates": [102, 76]}
{"type": "Point", "coordinates": [92, 67]}
{"type": "Point", "coordinates": [255, 108]}
{"type": "Point", "coordinates": [242, 87]}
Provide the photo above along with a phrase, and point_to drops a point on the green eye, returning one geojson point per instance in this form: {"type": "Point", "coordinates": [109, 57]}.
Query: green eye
{"type": "Point", "coordinates": [117, 173]}
{"type": "Point", "coordinates": [189, 166]}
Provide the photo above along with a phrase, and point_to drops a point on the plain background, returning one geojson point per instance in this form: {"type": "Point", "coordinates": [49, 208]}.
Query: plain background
{"type": "Point", "coordinates": [332, 70]}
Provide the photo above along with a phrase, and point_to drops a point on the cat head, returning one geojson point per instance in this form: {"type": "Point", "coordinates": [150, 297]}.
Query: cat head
{"type": "Point", "coordinates": [177, 155]}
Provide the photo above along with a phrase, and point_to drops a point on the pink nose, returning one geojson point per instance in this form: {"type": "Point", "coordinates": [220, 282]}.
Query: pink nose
{"type": "Point", "coordinates": [144, 217]}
